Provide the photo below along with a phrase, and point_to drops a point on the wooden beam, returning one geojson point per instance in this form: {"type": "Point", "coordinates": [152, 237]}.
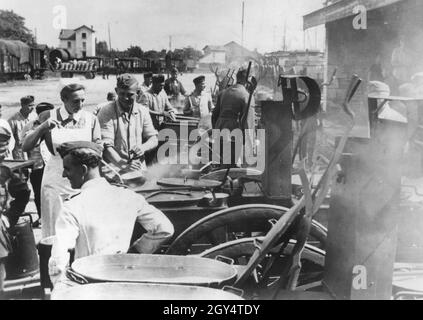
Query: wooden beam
{"type": "Point", "coordinates": [340, 10]}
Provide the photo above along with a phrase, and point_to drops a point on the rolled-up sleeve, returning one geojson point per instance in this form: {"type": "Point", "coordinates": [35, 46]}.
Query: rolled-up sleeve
{"type": "Point", "coordinates": [158, 227]}
{"type": "Point", "coordinates": [105, 118]}
{"type": "Point", "coordinates": [148, 129]}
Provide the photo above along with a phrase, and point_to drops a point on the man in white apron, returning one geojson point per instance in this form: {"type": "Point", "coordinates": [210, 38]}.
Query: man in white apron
{"type": "Point", "coordinates": [65, 124]}
{"type": "Point", "coordinates": [199, 104]}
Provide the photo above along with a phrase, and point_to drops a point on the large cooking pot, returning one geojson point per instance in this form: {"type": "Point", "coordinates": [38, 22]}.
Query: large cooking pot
{"type": "Point", "coordinates": [140, 291]}
{"type": "Point", "coordinates": [147, 268]}
{"type": "Point", "coordinates": [23, 261]}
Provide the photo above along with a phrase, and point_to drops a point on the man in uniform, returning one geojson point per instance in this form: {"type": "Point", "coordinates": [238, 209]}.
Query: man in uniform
{"type": "Point", "coordinates": [18, 121]}
{"type": "Point", "coordinates": [100, 219]}
{"type": "Point", "coordinates": [126, 127]}
{"type": "Point", "coordinates": [146, 85]}
{"type": "Point", "coordinates": [156, 100]}
{"type": "Point", "coordinates": [232, 113]}
{"type": "Point", "coordinates": [199, 104]}
{"type": "Point", "coordinates": [174, 89]}
{"type": "Point", "coordinates": [39, 154]}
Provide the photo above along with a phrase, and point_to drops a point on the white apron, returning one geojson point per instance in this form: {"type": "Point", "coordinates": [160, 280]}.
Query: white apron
{"type": "Point", "coordinates": [54, 188]}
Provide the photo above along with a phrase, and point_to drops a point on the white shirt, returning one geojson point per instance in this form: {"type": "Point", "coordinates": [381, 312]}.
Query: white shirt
{"type": "Point", "coordinates": [100, 220]}
{"type": "Point", "coordinates": [12, 142]}
{"type": "Point", "coordinates": [65, 114]}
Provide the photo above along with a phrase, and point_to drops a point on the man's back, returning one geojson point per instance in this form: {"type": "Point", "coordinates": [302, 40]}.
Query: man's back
{"type": "Point", "coordinates": [104, 216]}
{"type": "Point", "coordinates": [230, 105]}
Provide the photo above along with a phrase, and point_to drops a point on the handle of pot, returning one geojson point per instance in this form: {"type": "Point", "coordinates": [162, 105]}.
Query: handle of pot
{"type": "Point", "coordinates": [76, 277]}
{"type": "Point", "coordinates": [225, 260]}
{"type": "Point", "coordinates": [238, 292]}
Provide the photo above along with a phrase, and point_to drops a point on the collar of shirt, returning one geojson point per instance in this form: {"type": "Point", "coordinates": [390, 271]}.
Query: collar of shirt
{"type": "Point", "coordinates": [161, 93]}
{"type": "Point", "coordinates": [94, 183]}
{"type": "Point", "coordinates": [123, 112]}
{"type": "Point", "coordinates": [65, 114]}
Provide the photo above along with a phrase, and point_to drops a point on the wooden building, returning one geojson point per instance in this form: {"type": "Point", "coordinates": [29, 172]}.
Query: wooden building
{"type": "Point", "coordinates": [360, 41]}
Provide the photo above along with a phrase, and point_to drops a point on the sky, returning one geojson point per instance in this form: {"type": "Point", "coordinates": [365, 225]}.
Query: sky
{"type": "Point", "coordinates": [195, 23]}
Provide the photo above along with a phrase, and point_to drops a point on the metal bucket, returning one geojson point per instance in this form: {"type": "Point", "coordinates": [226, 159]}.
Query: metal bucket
{"type": "Point", "coordinates": [163, 269]}
{"type": "Point", "coordinates": [140, 291]}
{"type": "Point", "coordinates": [23, 261]}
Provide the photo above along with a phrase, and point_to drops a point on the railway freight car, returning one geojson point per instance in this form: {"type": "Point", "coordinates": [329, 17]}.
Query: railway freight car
{"type": "Point", "coordinates": [18, 59]}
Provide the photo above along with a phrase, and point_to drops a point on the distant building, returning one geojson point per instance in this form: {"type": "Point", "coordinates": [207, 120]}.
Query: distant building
{"type": "Point", "coordinates": [394, 28]}
{"type": "Point", "coordinates": [80, 42]}
{"type": "Point", "coordinates": [308, 62]}
{"type": "Point", "coordinates": [231, 52]}
{"type": "Point", "coordinates": [213, 55]}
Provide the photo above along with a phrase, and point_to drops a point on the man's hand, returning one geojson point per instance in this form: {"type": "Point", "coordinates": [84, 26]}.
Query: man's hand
{"type": "Point", "coordinates": [50, 124]}
{"type": "Point", "coordinates": [137, 152]}
{"type": "Point", "coordinates": [133, 165]}
{"type": "Point", "coordinates": [170, 115]}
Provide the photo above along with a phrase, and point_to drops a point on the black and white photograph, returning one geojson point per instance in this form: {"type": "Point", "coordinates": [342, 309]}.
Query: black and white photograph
{"type": "Point", "coordinates": [225, 151]}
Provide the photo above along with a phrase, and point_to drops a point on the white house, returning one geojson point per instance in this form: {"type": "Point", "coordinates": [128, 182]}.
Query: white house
{"type": "Point", "coordinates": [213, 55]}
{"type": "Point", "coordinates": [80, 42]}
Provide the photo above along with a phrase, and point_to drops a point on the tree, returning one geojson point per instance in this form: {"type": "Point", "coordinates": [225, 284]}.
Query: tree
{"type": "Point", "coordinates": [102, 49]}
{"type": "Point", "coordinates": [135, 52]}
{"type": "Point", "coordinates": [12, 27]}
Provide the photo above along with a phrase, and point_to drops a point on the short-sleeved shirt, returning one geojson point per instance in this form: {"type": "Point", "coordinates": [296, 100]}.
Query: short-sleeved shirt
{"type": "Point", "coordinates": [158, 103]}
{"type": "Point", "coordinates": [174, 87]}
{"type": "Point", "coordinates": [17, 123]}
{"type": "Point", "coordinates": [122, 132]}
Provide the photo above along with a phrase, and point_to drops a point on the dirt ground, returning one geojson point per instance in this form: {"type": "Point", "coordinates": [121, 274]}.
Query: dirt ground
{"type": "Point", "coordinates": [48, 90]}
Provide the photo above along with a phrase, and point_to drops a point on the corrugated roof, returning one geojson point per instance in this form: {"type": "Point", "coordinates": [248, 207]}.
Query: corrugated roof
{"type": "Point", "coordinates": [340, 10]}
{"type": "Point", "coordinates": [67, 34]}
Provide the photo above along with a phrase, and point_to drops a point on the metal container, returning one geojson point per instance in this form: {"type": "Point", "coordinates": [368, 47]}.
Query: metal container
{"type": "Point", "coordinates": [140, 291]}
{"type": "Point", "coordinates": [147, 268]}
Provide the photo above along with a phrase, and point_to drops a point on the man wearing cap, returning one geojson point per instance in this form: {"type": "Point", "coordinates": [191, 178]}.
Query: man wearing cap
{"type": "Point", "coordinates": [17, 123]}
{"type": "Point", "coordinates": [157, 102]}
{"type": "Point", "coordinates": [174, 89]}
{"type": "Point", "coordinates": [39, 154]}
{"type": "Point", "coordinates": [199, 104]}
{"type": "Point", "coordinates": [126, 127]}
{"type": "Point", "coordinates": [67, 123]}
{"type": "Point", "coordinates": [173, 86]}
{"type": "Point", "coordinates": [100, 219]}
{"type": "Point", "coordinates": [146, 85]}
{"type": "Point", "coordinates": [111, 96]}
{"type": "Point", "coordinates": [231, 111]}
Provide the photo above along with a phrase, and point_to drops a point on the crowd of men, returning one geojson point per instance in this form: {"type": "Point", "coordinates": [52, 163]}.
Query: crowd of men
{"type": "Point", "coordinates": [69, 146]}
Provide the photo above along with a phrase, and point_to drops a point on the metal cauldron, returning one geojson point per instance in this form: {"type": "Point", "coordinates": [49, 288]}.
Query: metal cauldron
{"type": "Point", "coordinates": [23, 261]}
{"type": "Point", "coordinates": [159, 269]}
{"type": "Point", "coordinates": [140, 291]}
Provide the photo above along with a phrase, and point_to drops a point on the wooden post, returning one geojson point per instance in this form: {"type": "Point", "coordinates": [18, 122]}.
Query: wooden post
{"type": "Point", "coordinates": [277, 119]}
{"type": "Point", "coordinates": [363, 216]}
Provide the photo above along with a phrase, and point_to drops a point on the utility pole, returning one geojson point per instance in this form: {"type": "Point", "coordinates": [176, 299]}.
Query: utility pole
{"type": "Point", "coordinates": [242, 25]}
{"type": "Point", "coordinates": [110, 39]}
{"type": "Point", "coordinates": [35, 35]}
{"type": "Point", "coordinates": [284, 37]}
{"type": "Point", "coordinates": [170, 43]}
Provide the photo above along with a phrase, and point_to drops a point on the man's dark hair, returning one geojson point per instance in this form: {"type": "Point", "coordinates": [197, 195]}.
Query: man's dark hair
{"type": "Point", "coordinates": [67, 90]}
{"type": "Point", "coordinates": [83, 156]}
